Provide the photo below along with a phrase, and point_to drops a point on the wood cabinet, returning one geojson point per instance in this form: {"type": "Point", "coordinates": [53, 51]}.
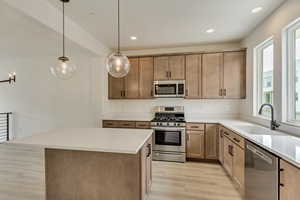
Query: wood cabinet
{"type": "Point", "coordinates": [212, 75]}
{"type": "Point", "coordinates": [239, 166]}
{"type": "Point", "coordinates": [289, 181]}
{"type": "Point", "coordinates": [146, 77]}
{"type": "Point", "coordinates": [126, 124]}
{"type": "Point", "coordinates": [234, 75]}
{"type": "Point", "coordinates": [169, 68]}
{"type": "Point", "coordinates": [228, 154]}
{"type": "Point", "coordinates": [137, 84]}
{"type": "Point", "coordinates": [161, 68]}
{"type": "Point", "coordinates": [115, 87]}
{"type": "Point", "coordinates": [221, 145]}
{"type": "Point", "coordinates": [146, 168]}
{"type": "Point", "coordinates": [195, 144]}
{"type": "Point", "coordinates": [193, 70]}
{"type": "Point", "coordinates": [132, 80]}
{"type": "Point", "coordinates": [211, 141]}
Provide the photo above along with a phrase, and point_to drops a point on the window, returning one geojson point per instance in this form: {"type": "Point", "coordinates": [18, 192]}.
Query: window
{"type": "Point", "coordinates": [293, 74]}
{"type": "Point", "coordinates": [264, 67]}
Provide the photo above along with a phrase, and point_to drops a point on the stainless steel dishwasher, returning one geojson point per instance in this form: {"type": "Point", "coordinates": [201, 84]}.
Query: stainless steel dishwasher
{"type": "Point", "coordinates": [261, 174]}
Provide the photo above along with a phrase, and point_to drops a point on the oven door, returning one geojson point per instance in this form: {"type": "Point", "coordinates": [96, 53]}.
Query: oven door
{"type": "Point", "coordinates": [165, 89]}
{"type": "Point", "coordinates": [169, 139]}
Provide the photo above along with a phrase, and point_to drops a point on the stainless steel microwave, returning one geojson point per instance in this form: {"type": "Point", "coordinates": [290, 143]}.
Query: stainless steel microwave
{"type": "Point", "coordinates": [169, 89]}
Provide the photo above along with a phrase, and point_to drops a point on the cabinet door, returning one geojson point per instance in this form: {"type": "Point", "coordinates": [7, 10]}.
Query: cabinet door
{"type": "Point", "coordinates": [115, 87]}
{"type": "Point", "coordinates": [161, 68]}
{"type": "Point", "coordinates": [235, 75]}
{"type": "Point", "coordinates": [132, 80]}
{"type": "Point", "coordinates": [149, 167]}
{"type": "Point", "coordinates": [212, 75]}
{"type": "Point", "coordinates": [211, 141]}
{"type": "Point", "coordinates": [221, 145]}
{"type": "Point", "coordinates": [195, 144]}
{"type": "Point", "coordinates": [239, 165]}
{"type": "Point", "coordinates": [289, 181]}
{"type": "Point", "coordinates": [193, 76]}
{"type": "Point", "coordinates": [146, 77]}
{"type": "Point", "coordinates": [176, 68]}
{"type": "Point", "coordinates": [228, 158]}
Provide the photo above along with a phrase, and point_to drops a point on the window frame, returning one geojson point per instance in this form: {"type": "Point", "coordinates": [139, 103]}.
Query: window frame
{"type": "Point", "coordinates": [258, 76]}
{"type": "Point", "coordinates": [289, 114]}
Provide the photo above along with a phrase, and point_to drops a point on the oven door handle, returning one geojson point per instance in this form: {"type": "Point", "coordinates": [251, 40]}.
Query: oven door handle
{"type": "Point", "coordinates": [167, 129]}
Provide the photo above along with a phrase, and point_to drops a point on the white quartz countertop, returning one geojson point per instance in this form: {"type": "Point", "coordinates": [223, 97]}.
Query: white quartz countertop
{"type": "Point", "coordinates": [279, 143]}
{"type": "Point", "coordinates": [127, 141]}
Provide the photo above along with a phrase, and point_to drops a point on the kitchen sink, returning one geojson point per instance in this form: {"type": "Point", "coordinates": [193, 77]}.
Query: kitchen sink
{"type": "Point", "coordinates": [257, 130]}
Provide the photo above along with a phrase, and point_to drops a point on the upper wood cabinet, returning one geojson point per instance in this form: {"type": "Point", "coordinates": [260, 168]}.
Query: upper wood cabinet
{"type": "Point", "coordinates": [138, 82]}
{"type": "Point", "coordinates": [169, 68]}
{"type": "Point", "coordinates": [161, 68]}
{"type": "Point", "coordinates": [115, 87]}
{"type": "Point", "coordinates": [132, 80]}
{"type": "Point", "coordinates": [176, 68]}
{"type": "Point", "coordinates": [212, 75]}
{"type": "Point", "coordinates": [211, 141]}
{"type": "Point", "coordinates": [146, 77]}
{"type": "Point", "coordinates": [234, 75]}
{"type": "Point", "coordinates": [289, 181]}
{"type": "Point", "coordinates": [193, 69]}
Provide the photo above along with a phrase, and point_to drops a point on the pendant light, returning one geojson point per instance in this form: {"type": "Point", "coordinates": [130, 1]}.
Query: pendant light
{"type": "Point", "coordinates": [118, 64]}
{"type": "Point", "coordinates": [64, 68]}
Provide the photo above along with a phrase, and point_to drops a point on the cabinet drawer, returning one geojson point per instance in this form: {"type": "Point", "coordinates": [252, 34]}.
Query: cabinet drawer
{"type": "Point", "coordinates": [142, 125]}
{"type": "Point", "coordinates": [126, 124]}
{"type": "Point", "coordinates": [109, 124]}
{"type": "Point", "coordinates": [195, 126]}
{"type": "Point", "coordinates": [227, 133]}
{"type": "Point", "coordinates": [238, 140]}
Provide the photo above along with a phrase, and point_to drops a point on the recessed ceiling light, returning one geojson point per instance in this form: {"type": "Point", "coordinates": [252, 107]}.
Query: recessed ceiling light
{"type": "Point", "coordinates": [211, 30]}
{"type": "Point", "coordinates": [256, 10]}
{"type": "Point", "coordinates": [133, 38]}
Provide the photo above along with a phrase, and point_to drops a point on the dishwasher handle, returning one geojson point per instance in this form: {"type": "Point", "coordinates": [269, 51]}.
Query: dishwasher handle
{"type": "Point", "coordinates": [260, 154]}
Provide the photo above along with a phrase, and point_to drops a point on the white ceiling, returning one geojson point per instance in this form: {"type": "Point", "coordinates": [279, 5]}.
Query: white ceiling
{"type": "Point", "coordinates": [23, 37]}
{"type": "Point", "coordinates": [168, 23]}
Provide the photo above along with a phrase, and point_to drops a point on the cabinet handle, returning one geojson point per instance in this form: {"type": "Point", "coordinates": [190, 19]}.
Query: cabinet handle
{"type": "Point", "coordinates": [224, 92]}
{"type": "Point", "coordinates": [237, 140]}
{"type": "Point", "coordinates": [167, 74]}
{"type": "Point", "coordinates": [170, 74]}
{"type": "Point", "coordinates": [226, 133]}
{"type": "Point", "coordinates": [124, 93]}
{"type": "Point", "coordinates": [281, 185]}
{"type": "Point", "coordinates": [194, 126]}
{"type": "Point", "coordinates": [149, 150]}
{"type": "Point", "coordinates": [281, 170]}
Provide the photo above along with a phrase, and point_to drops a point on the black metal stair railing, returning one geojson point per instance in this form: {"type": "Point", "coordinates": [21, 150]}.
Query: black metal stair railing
{"type": "Point", "coordinates": [4, 126]}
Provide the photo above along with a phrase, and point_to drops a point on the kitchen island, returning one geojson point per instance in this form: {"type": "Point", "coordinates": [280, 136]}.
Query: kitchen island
{"type": "Point", "coordinates": [77, 164]}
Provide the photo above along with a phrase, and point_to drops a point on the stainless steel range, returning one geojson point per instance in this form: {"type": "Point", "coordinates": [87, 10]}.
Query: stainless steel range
{"type": "Point", "coordinates": [169, 134]}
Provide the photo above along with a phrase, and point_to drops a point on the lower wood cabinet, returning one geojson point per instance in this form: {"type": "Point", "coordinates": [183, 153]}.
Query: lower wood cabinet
{"type": "Point", "coordinates": [228, 160]}
{"type": "Point", "coordinates": [211, 141]}
{"type": "Point", "coordinates": [146, 168]}
{"type": "Point", "coordinates": [221, 145]}
{"type": "Point", "coordinates": [239, 166]}
{"type": "Point", "coordinates": [126, 124]}
{"type": "Point", "coordinates": [195, 144]}
{"type": "Point", "coordinates": [289, 181]}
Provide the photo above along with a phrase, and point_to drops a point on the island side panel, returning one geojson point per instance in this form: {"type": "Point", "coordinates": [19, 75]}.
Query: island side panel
{"type": "Point", "coordinates": [78, 175]}
{"type": "Point", "coordinates": [22, 172]}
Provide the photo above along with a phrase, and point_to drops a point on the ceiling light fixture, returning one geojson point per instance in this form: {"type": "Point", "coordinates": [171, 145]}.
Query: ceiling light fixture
{"type": "Point", "coordinates": [118, 64]}
{"type": "Point", "coordinates": [256, 10]}
{"type": "Point", "coordinates": [64, 68]}
{"type": "Point", "coordinates": [210, 30]}
{"type": "Point", "coordinates": [133, 38]}
{"type": "Point", "coordinates": [11, 78]}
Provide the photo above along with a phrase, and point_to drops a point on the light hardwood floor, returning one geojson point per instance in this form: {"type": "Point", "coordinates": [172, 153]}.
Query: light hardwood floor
{"type": "Point", "coordinates": [191, 181]}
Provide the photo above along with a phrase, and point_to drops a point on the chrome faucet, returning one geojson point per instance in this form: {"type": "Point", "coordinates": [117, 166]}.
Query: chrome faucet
{"type": "Point", "coordinates": [274, 124]}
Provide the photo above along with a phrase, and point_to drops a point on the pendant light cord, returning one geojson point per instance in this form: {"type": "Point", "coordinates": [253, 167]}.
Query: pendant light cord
{"type": "Point", "coordinates": [63, 29]}
{"type": "Point", "coordinates": [118, 26]}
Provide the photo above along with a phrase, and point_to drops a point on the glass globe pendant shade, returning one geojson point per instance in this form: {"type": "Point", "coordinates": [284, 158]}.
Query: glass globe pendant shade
{"type": "Point", "coordinates": [118, 65]}
{"type": "Point", "coordinates": [64, 69]}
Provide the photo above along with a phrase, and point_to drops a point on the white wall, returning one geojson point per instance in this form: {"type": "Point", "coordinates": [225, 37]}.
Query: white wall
{"type": "Point", "coordinates": [271, 27]}
{"type": "Point", "coordinates": [40, 102]}
{"type": "Point", "coordinates": [201, 108]}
